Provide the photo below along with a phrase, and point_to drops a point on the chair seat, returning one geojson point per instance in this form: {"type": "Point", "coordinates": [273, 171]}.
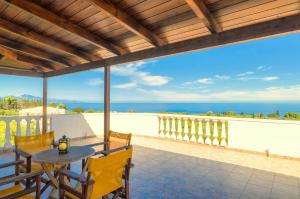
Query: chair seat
{"type": "Point", "coordinates": [14, 189]}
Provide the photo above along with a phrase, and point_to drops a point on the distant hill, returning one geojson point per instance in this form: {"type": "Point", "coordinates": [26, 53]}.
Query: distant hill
{"type": "Point", "coordinates": [28, 97]}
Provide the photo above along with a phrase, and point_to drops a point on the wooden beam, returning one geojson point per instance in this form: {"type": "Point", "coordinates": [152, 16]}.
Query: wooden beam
{"type": "Point", "coordinates": [202, 12]}
{"type": "Point", "coordinates": [45, 40]}
{"type": "Point", "coordinates": [266, 29]}
{"type": "Point", "coordinates": [65, 24]}
{"type": "Point", "coordinates": [37, 64]}
{"type": "Point", "coordinates": [127, 21]}
{"type": "Point", "coordinates": [35, 52]}
{"type": "Point", "coordinates": [106, 104]}
{"type": "Point", "coordinates": [45, 89]}
{"type": "Point", "coordinates": [19, 72]}
{"type": "Point", "coordinates": [7, 53]}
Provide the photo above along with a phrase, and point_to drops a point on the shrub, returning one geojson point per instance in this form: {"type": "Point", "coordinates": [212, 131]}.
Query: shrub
{"type": "Point", "coordinates": [90, 110]}
{"type": "Point", "coordinates": [78, 110]}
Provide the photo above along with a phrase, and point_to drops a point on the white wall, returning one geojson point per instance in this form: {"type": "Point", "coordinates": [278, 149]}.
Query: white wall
{"type": "Point", "coordinates": [278, 136]}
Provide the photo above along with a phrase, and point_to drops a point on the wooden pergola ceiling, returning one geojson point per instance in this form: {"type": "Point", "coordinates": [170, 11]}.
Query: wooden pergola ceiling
{"type": "Point", "coordinates": [46, 38]}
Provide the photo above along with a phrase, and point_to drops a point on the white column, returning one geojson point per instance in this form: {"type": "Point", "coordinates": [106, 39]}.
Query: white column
{"type": "Point", "coordinates": [7, 135]}
{"type": "Point", "coordinates": [215, 133]}
{"type": "Point", "coordinates": [207, 141]}
{"type": "Point", "coordinates": [223, 133]}
{"type": "Point", "coordinates": [28, 120]}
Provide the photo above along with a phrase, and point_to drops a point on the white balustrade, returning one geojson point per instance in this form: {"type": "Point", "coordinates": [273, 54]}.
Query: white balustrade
{"type": "Point", "coordinates": [14, 126]}
{"type": "Point", "coordinates": [185, 128]}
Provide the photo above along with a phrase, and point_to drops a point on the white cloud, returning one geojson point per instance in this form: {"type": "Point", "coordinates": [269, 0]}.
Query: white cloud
{"type": "Point", "coordinates": [125, 86]}
{"type": "Point", "coordinates": [245, 74]}
{"type": "Point", "coordinates": [152, 80]}
{"type": "Point", "coordinates": [205, 81]}
{"type": "Point", "coordinates": [264, 68]}
{"type": "Point", "coordinates": [222, 77]}
{"type": "Point", "coordinates": [137, 76]}
{"type": "Point", "coordinates": [94, 82]}
{"type": "Point", "coordinates": [288, 93]}
{"type": "Point", "coordinates": [270, 78]}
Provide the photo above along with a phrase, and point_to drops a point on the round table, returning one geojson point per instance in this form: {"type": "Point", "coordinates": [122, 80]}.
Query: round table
{"type": "Point", "coordinates": [52, 157]}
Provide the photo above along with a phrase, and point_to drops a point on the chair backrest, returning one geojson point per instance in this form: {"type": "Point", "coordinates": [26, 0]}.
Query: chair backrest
{"type": "Point", "coordinates": [117, 140]}
{"type": "Point", "coordinates": [35, 143]}
{"type": "Point", "coordinates": [107, 172]}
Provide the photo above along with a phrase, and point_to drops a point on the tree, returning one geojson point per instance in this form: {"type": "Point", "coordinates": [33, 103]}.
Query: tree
{"type": "Point", "coordinates": [53, 104]}
{"type": "Point", "coordinates": [78, 110]}
{"type": "Point", "coordinates": [63, 106]}
{"type": "Point", "coordinates": [292, 115]}
{"type": "Point", "coordinates": [10, 102]}
{"type": "Point", "coordinates": [274, 115]}
{"type": "Point", "coordinates": [230, 113]}
{"type": "Point", "coordinates": [90, 110]}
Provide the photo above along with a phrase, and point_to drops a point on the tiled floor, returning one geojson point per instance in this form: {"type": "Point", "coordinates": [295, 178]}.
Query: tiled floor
{"type": "Point", "coordinates": [181, 170]}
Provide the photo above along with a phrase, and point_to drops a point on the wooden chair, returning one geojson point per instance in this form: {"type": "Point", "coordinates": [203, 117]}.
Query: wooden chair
{"type": "Point", "coordinates": [26, 146]}
{"type": "Point", "coordinates": [116, 141]}
{"type": "Point", "coordinates": [103, 177]}
{"type": "Point", "coordinates": [13, 189]}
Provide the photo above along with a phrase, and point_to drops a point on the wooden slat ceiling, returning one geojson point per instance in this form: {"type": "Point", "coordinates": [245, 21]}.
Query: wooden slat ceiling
{"type": "Point", "coordinates": [48, 36]}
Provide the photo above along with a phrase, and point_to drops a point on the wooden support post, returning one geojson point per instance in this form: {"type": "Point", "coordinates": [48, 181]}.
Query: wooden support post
{"type": "Point", "coordinates": [44, 128]}
{"type": "Point", "coordinates": [106, 104]}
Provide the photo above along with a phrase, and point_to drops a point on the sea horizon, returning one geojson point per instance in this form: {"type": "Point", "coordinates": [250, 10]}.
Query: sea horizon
{"type": "Point", "coordinates": [192, 107]}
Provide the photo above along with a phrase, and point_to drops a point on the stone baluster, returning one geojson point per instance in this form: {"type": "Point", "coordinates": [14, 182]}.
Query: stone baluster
{"type": "Point", "coordinates": [207, 133]}
{"type": "Point", "coordinates": [178, 128]}
{"type": "Point", "coordinates": [173, 128]}
{"type": "Point", "coordinates": [200, 132]}
{"type": "Point", "coordinates": [28, 120]}
{"type": "Point", "coordinates": [167, 135]}
{"type": "Point", "coordinates": [186, 130]}
{"type": "Point", "coordinates": [215, 133]}
{"type": "Point", "coordinates": [193, 130]}
{"type": "Point", "coordinates": [159, 125]}
{"type": "Point", "coordinates": [18, 130]}
{"type": "Point", "coordinates": [223, 133]}
{"type": "Point", "coordinates": [37, 126]}
{"type": "Point", "coordinates": [182, 129]}
{"type": "Point", "coordinates": [7, 134]}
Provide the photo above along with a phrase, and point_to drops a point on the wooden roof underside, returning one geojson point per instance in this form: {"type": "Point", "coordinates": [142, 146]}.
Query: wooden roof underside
{"type": "Point", "coordinates": [46, 38]}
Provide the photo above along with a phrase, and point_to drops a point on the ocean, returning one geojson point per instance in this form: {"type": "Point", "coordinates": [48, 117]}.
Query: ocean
{"type": "Point", "coordinates": [194, 108]}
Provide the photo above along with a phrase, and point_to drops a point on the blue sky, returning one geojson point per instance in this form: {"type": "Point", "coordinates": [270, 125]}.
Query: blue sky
{"type": "Point", "coordinates": [263, 70]}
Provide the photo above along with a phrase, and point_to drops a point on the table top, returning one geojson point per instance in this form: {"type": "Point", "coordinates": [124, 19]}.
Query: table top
{"type": "Point", "coordinates": [53, 157]}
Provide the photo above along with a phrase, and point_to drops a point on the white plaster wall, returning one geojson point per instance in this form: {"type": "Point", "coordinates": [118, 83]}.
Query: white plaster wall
{"type": "Point", "coordinates": [278, 136]}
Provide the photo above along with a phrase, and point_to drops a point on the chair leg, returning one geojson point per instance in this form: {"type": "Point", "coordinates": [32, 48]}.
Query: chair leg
{"type": "Point", "coordinates": [117, 193]}
{"type": "Point", "coordinates": [38, 187]}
